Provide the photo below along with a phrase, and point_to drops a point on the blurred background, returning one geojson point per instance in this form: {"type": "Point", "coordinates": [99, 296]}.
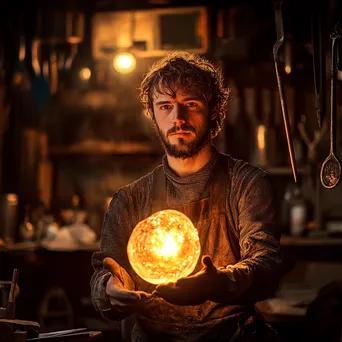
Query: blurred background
{"type": "Point", "coordinates": [72, 132]}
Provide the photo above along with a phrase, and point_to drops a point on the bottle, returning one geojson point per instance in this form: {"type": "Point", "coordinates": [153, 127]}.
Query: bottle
{"type": "Point", "coordinates": [26, 229]}
{"type": "Point", "coordinates": [8, 217]}
{"type": "Point", "coordinates": [285, 208]}
{"type": "Point", "coordinates": [298, 219]}
{"type": "Point", "coordinates": [75, 207]}
{"type": "Point", "coordinates": [37, 219]}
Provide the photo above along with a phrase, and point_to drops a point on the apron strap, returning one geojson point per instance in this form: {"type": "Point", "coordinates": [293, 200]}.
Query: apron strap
{"type": "Point", "coordinates": [218, 188]}
{"type": "Point", "coordinates": [159, 190]}
{"type": "Point", "coordinates": [220, 182]}
{"type": "Point", "coordinates": [218, 198]}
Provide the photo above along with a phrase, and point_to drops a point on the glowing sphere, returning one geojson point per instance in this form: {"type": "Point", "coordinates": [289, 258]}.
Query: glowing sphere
{"type": "Point", "coordinates": [164, 247]}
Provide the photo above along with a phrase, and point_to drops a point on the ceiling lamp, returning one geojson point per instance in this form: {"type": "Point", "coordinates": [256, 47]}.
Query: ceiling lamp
{"type": "Point", "coordinates": [85, 74]}
{"type": "Point", "coordinates": [124, 62]}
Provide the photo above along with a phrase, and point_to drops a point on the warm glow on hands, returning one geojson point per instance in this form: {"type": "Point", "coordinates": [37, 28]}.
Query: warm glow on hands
{"type": "Point", "coordinates": [164, 247]}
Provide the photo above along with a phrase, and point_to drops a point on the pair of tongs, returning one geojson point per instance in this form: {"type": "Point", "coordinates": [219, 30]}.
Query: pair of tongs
{"type": "Point", "coordinates": [276, 47]}
{"type": "Point", "coordinates": [317, 35]}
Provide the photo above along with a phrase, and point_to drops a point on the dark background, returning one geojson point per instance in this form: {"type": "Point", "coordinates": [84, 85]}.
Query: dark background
{"type": "Point", "coordinates": [91, 137]}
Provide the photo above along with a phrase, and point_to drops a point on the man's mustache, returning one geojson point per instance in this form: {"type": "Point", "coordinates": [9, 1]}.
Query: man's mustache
{"type": "Point", "coordinates": [183, 127]}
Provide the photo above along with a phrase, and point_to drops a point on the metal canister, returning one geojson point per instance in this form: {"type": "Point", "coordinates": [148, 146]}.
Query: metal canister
{"type": "Point", "coordinates": [8, 217]}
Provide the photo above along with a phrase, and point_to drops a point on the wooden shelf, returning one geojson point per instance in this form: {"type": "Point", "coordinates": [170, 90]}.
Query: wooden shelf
{"type": "Point", "coordinates": [50, 245]}
{"type": "Point", "coordinates": [94, 147]}
{"type": "Point", "coordinates": [310, 241]}
{"type": "Point", "coordinates": [285, 170]}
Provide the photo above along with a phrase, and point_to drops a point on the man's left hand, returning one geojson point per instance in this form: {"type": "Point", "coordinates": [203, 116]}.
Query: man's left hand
{"type": "Point", "coordinates": [196, 289]}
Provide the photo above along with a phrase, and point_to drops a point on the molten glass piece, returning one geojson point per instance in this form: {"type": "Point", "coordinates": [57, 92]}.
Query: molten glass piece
{"type": "Point", "coordinates": [164, 247]}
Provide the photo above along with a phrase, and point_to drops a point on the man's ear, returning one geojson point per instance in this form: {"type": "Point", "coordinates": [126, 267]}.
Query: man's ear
{"type": "Point", "coordinates": [149, 113]}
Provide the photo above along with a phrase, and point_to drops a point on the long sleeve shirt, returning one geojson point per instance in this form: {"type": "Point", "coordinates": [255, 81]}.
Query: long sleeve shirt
{"type": "Point", "coordinates": [250, 212]}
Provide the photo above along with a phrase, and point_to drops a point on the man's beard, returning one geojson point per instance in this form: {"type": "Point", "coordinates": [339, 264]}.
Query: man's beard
{"type": "Point", "coordinates": [183, 149]}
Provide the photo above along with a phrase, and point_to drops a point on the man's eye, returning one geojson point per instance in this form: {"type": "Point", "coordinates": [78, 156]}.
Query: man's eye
{"type": "Point", "coordinates": [165, 107]}
{"type": "Point", "coordinates": [191, 104]}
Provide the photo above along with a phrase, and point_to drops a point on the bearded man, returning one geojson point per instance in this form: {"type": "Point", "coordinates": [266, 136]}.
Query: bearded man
{"type": "Point", "coordinates": [229, 201]}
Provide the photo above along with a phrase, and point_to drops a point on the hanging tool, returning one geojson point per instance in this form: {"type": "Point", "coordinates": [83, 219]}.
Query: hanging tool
{"type": "Point", "coordinates": [11, 298]}
{"type": "Point", "coordinates": [331, 167]}
{"type": "Point", "coordinates": [12, 329]}
{"type": "Point", "coordinates": [317, 35]}
{"type": "Point", "coordinates": [339, 57]}
{"type": "Point", "coordinates": [276, 47]}
{"type": "Point", "coordinates": [312, 144]}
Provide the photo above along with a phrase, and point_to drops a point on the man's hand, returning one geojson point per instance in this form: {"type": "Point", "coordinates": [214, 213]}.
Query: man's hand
{"type": "Point", "coordinates": [120, 289]}
{"type": "Point", "coordinates": [205, 285]}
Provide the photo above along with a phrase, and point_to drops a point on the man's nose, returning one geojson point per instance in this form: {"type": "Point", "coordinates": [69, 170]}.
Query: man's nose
{"type": "Point", "coordinates": [179, 115]}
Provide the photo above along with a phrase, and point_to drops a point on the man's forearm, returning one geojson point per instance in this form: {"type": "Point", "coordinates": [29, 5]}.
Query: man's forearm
{"type": "Point", "coordinates": [248, 281]}
{"type": "Point", "coordinates": [101, 300]}
{"type": "Point", "coordinates": [98, 285]}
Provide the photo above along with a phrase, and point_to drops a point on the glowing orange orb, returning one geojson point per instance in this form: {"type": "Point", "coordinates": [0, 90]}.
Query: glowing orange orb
{"type": "Point", "coordinates": [164, 247]}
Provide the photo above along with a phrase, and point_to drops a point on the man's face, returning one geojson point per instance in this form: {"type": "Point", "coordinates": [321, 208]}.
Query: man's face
{"type": "Point", "coordinates": [181, 123]}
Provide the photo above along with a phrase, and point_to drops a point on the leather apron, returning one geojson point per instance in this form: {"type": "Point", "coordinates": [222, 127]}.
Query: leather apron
{"type": "Point", "coordinates": [209, 321]}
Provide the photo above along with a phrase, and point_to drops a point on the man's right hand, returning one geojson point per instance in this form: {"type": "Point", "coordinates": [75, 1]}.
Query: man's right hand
{"type": "Point", "coordinates": [120, 289]}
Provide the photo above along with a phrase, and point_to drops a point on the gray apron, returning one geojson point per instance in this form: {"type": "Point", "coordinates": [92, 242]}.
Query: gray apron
{"type": "Point", "coordinates": [162, 321]}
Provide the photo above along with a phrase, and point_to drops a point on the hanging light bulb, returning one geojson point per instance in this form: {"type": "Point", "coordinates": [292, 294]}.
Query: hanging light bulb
{"type": "Point", "coordinates": [288, 55]}
{"type": "Point", "coordinates": [124, 62]}
{"type": "Point", "coordinates": [85, 74]}
{"type": "Point", "coordinates": [164, 247]}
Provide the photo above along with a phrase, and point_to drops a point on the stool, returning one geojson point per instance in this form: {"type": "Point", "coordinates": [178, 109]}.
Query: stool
{"type": "Point", "coordinates": [55, 312]}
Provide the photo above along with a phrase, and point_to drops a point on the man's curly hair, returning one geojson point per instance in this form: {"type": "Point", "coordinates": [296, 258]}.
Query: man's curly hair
{"type": "Point", "coordinates": [189, 72]}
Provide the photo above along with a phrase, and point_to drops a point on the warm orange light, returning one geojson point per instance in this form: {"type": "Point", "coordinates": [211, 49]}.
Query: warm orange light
{"type": "Point", "coordinates": [124, 62]}
{"type": "Point", "coordinates": [261, 136]}
{"type": "Point", "coordinates": [288, 69]}
{"type": "Point", "coordinates": [85, 74]}
{"type": "Point", "coordinates": [164, 247]}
